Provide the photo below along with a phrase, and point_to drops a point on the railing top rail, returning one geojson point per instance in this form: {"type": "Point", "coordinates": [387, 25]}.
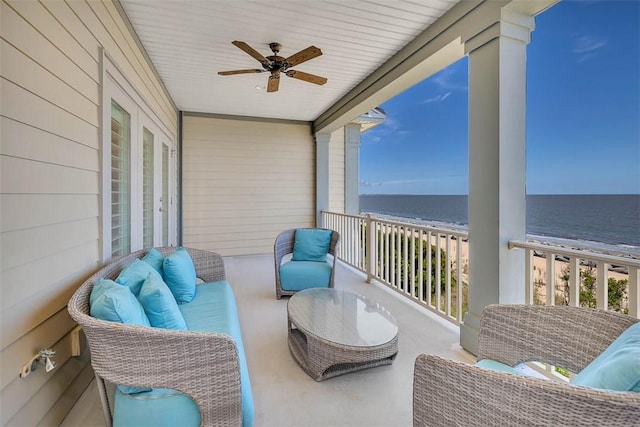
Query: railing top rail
{"type": "Point", "coordinates": [442, 230]}
{"type": "Point", "coordinates": [578, 253]}
{"type": "Point", "coordinates": [344, 215]}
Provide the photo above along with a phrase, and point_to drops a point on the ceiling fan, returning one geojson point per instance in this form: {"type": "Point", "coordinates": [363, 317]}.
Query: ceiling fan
{"type": "Point", "coordinates": [277, 64]}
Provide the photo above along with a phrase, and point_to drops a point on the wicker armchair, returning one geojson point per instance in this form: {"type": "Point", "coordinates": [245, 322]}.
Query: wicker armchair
{"type": "Point", "coordinates": [204, 366]}
{"type": "Point", "coordinates": [284, 246]}
{"type": "Point", "coordinates": [450, 393]}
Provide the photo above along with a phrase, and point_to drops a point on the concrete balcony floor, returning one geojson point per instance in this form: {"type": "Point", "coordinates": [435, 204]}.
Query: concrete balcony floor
{"type": "Point", "coordinates": [284, 395]}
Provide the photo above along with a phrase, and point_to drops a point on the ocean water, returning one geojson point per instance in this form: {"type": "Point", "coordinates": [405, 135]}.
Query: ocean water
{"type": "Point", "coordinates": [612, 219]}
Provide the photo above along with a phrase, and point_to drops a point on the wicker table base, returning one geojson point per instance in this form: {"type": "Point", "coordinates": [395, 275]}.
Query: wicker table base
{"type": "Point", "coordinates": [322, 358]}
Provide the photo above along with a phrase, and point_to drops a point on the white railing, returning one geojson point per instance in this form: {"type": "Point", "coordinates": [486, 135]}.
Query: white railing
{"type": "Point", "coordinates": [576, 276]}
{"type": "Point", "coordinates": [567, 273]}
{"type": "Point", "coordinates": [424, 263]}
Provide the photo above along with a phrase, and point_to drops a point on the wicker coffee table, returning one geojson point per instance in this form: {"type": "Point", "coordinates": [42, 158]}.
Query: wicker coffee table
{"type": "Point", "coordinates": [334, 332]}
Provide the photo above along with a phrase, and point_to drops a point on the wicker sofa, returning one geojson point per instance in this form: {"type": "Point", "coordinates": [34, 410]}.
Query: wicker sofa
{"type": "Point", "coordinates": [451, 393]}
{"type": "Point", "coordinates": [204, 364]}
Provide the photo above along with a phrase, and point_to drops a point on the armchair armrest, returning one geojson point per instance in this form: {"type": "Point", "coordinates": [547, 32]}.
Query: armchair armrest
{"type": "Point", "coordinates": [205, 366]}
{"type": "Point", "coordinates": [449, 393]}
{"type": "Point", "coordinates": [569, 337]}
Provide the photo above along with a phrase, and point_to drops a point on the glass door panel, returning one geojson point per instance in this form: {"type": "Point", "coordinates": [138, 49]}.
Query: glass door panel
{"type": "Point", "coordinates": [164, 201]}
{"type": "Point", "coordinates": [147, 188]}
{"type": "Point", "coordinates": [120, 180]}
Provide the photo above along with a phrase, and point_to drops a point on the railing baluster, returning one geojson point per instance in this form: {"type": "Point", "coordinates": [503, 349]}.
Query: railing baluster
{"type": "Point", "coordinates": [420, 266]}
{"type": "Point", "coordinates": [412, 259]}
{"type": "Point", "coordinates": [634, 292]}
{"type": "Point", "coordinates": [438, 272]}
{"type": "Point", "coordinates": [405, 263]}
{"type": "Point", "coordinates": [429, 269]}
{"type": "Point", "coordinates": [602, 291]}
{"type": "Point", "coordinates": [459, 291]}
{"type": "Point", "coordinates": [574, 281]}
{"type": "Point", "coordinates": [528, 278]}
{"type": "Point", "coordinates": [447, 256]}
{"type": "Point", "coordinates": [551, 278]}
{"type": "Point", "coordinates": [387, 249]}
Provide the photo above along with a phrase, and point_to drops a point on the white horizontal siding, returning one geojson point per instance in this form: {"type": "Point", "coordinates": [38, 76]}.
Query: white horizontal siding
{"type": "Point", "coordinates": [244, 182]}
{"type": "Point", "coordinates": [50, 185]}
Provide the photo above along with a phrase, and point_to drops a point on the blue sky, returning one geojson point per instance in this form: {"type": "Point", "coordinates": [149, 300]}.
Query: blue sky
{"type": "Point", "coordinates": [583, 113]}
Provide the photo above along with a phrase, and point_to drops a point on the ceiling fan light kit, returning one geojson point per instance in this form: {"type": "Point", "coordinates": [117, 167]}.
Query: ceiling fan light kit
{"type": "Point", "coordinates": [276, 64]}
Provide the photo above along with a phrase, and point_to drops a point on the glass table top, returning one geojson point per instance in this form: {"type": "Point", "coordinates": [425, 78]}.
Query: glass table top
{"type": "Point", "coordinates": [342, 317]}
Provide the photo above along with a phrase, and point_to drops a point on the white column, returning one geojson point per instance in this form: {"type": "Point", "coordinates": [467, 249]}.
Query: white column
{"type": "Point", "coordinates": [497, 133]}
{"type": "Point", "coordinates": [352, 169]}
{"type": "Point", "coordinates": [322, 175]}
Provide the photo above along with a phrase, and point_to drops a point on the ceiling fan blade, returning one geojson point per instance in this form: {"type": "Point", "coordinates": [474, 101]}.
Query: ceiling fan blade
{"type": "Point", "coordinates": [251, 51]}
{"type": "Point", "coordinates": [311, 78]}
{"type": "Point", "coordinates": [304, 55]}
{"type": "Point", "coordinates": [229, 73]}
{"type": "Point", "coordinates": [274, 82]}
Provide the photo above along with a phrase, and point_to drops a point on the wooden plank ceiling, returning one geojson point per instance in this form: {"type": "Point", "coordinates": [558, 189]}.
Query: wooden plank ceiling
{"type": "Point", "coordinates": [190, 41]}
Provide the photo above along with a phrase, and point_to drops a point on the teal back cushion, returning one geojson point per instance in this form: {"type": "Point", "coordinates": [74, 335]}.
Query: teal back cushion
{"type": "Point", "coordinates": [155, 260]}
{"type": "Point", "coordinates": [135, 274]}
{"type": "Point", "coordinates": [114, 302]}
{"type": "Point", "coordinates": [618, 367]}
{"type": "Point", "coordinates": [180, 275]}
{"type": "Point", "coordinates": [159, 305]}
{"type": "Point", "coordinates": [311, 244]}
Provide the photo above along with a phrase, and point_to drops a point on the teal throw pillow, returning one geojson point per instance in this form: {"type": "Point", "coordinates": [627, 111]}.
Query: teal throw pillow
{"type": "Point", "coordinates": [115, 303]}
{"type": "Point", "coordinates": [618, 367]}
{"type": "Point", "coordinates": [135, 274]}
{"type": "Point", "coordinates": [154, 259]}
{"type": "Point", "coordinates": [160, 305]}
{"type": "Point", "coordinates": [311, 244]}
{"type": "Point", "coordinates": [180, 275]}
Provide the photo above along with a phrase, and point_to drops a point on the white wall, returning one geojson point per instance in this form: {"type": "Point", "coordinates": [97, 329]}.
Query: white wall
{"type": "Point", "coordinates": [49, 190]}
{"type": "Point", "coordinates": [244, 182]}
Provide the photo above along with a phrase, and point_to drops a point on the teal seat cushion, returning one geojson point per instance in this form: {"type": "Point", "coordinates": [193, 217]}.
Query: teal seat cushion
{"type": "Point", "coordinates": [299, 275]}
{"type": "Point", "coordinates": [115, 303]}
{"type": "Point", "coordinates": [159, 305]}
{"type": "Point", "coordinates": [155, 408]}
{"type": "Point", "coordinates": [618, 367]}
{"type": "Point", "coordinates": [214, 309]}
{"type": "Point", "coordinates": [180, 275]}
{"type": "Point", "coordinates": [311, 244]}
{"type": "Point", "coordinates": [135, 274]}
{"type": "Point", "coordinates": [155, 260]}
{"type": "Point", "coordinates": [497, 366]}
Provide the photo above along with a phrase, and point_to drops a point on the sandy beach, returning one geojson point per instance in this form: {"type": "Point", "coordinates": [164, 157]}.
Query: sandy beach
{"type": "Point", "coordinates": [539, 266]}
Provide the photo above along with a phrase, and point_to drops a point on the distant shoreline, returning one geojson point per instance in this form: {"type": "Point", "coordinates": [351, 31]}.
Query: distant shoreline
{"type": "Point", "coordinates": [601, 247]}
{"type": "Point", "coordinates": [610, 219]}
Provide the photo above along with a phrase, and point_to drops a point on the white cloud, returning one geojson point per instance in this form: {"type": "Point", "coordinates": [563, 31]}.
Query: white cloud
{"type": "Point", "coordinates": [586, 47]}
{"type": "Point", "coordinates": [437, 98]}
{"type": "Point", "coordinates": [447, 78]}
